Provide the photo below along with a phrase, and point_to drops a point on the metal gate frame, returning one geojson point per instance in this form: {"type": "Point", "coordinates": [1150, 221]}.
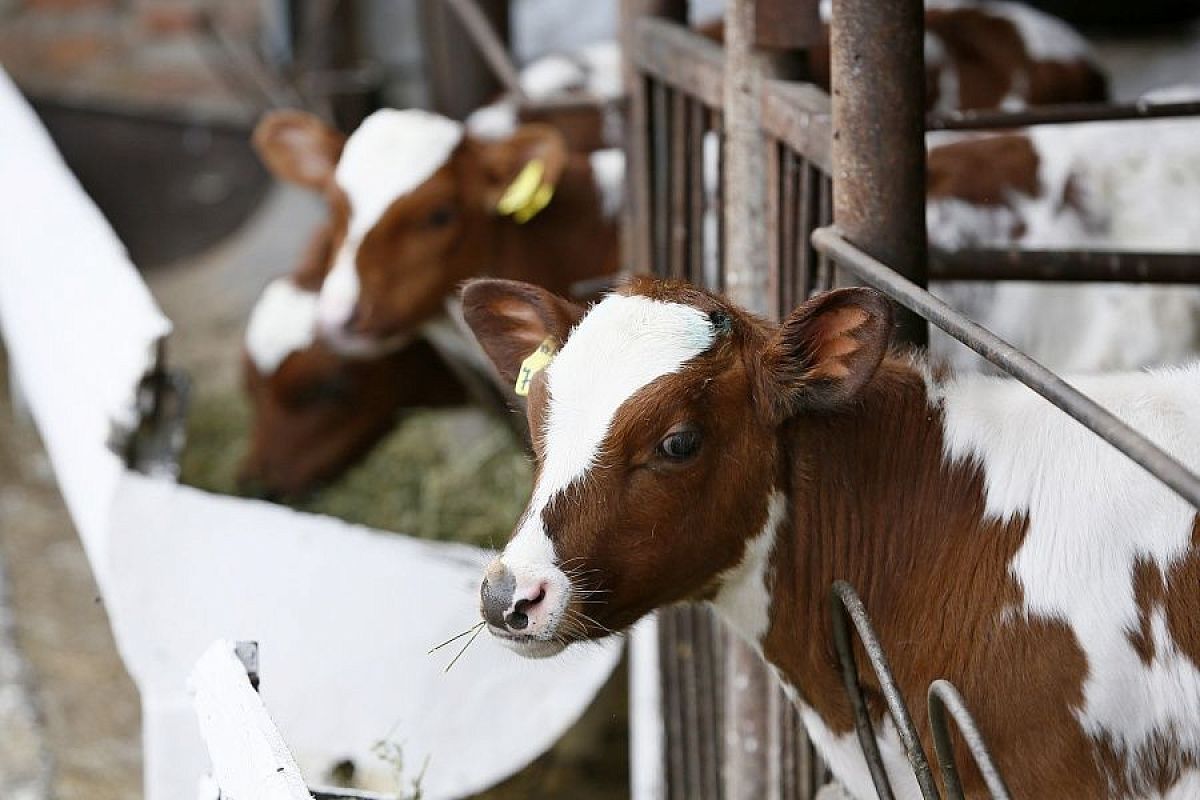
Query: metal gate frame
{"type": "Point", "coordinates": [774, 209]}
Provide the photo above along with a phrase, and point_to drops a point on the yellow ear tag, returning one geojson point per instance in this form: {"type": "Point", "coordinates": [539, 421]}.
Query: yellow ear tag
{"type": "Point", "coordinates": [534, 363]}
{"type": "Point", "coordinates": [527, 194]}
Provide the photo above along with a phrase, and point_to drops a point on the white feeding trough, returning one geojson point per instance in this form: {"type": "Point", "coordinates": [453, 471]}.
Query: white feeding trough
{"type": "Point", "coordinates": [344, 614]}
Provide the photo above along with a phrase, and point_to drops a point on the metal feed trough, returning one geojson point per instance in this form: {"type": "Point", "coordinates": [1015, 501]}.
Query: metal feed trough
{"type": "Point", "coordinates": [764, 222]}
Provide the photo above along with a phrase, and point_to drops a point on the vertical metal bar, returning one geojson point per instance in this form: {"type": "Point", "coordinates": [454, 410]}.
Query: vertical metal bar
{"type": "Point", "coordinates": [791, 220]}
{"type": "Point", "coordinates": [685, 645]}
{"type": "Point", "coordinates": [660, 163]}
{"type": "Point", "coordinates": [878, 89]}
{"type": "Point", "coordinates": [696, 190]}
{"type": "Point", "coordinates": [826, 267]}
{"type": "Point", "coordinates": [678, 233]}
{"type": "Point", "coordinates": [672, 707]}
{"type": "Point", "coordinates": [846, 607]}
{"type": "Point", "coordinates": [944, 698]}
{"type": "Point", "coordinates": [635, 240]}
{"type": "Point", "coordinates": [773, 224]}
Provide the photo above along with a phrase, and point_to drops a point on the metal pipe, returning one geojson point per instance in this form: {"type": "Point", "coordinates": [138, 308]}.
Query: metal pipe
{"type": "Point", "coordinates": [1014, 264]}
{"type": "Point", "coordinates": [846, 603]}
{"type": "Point", "coordinates": [944, 697]}
{"type": "Point", "coordinates": [491, 47]}
{"type": "Point", "coordinates": [1095, 418]}
{"type": "Point", "coordinates": [878, 88]}
{"type": "Point", "coordinates": [1068, 112]}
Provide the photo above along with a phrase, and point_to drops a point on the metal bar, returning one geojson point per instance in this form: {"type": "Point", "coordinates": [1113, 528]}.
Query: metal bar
{"type": "Point", "coordinates": [678, 231]}
{"type": "Point", "coordinates": [660, 164]}
{"type": "Point", "coordinates": [491, 46]}
{"type": "Point", "coordinates": [1101, 422]}
{"type": "Point", "coordinates": [1013, 264]}
{"type": "Point", "coordinates": [878, 89]}
{"type": "Point", "coordinates": [944, 697]}
{"type": "Point", "coordinates": [672, 703]}
{"type": "Point", "coordinates": [696, 190]}
{"type": "Point", "coordinates": [680, 58]}
{"type": "Point", "coordinates": [1068, 112]}
{"type": "Point", "coordinates": [635, 238]}
{"type": "Point", "coordinates": [846, 603]}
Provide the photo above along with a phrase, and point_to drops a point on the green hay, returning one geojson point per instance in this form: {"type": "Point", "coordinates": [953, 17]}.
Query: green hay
{"type": "Point", "coordinates": [445, 475]}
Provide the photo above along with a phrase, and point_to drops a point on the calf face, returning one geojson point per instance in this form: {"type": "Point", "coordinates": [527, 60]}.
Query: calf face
{"type": "Point", "coordinates": [655, 434]}
{"type": "Point", "coordinates": [415, 205]}
{"type": "Point", "coordinates": [314, 412]}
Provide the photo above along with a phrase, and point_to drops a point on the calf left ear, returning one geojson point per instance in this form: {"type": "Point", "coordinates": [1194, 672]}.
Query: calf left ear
{"type": "Point", "coordinates": [825, 352]}
{"type": "Point", "coordinates": [517, 324]}
{"type": "Point", "coordinates": [523, 171]}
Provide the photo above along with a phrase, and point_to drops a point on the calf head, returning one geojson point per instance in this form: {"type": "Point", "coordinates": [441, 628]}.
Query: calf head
{"type": "Point", "coordinates": [656, 430]}
{"type": "Point", "coordinates": [416, 206]}
{"type": "Point", "coordinates": [316, 412]}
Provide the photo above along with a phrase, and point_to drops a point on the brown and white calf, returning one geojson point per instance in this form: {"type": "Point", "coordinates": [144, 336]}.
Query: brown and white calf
{"type": "Point", "coordinates": [314, 412]}
{"type": "Point", "coordinates": [419, 205]}
{"type": "Point", "coordinates": [1102, 185]}
{"type": "Point", "coordinates": [688, 451]}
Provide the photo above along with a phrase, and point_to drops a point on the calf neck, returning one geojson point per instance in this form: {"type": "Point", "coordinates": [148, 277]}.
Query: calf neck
{"type": "Point", "coordinates": [689, 451]}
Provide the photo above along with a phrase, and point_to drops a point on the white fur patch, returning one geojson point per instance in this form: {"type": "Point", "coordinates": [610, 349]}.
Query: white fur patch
{"type": "Point", "coordinates": [848, 764]}
{"type": "Point", "coordinates": [1092, 513]}
{"type": "Point", "coordinates": [551, 75]}
{"type": "Point", "coordinates": [283, 321]}
{"type": "Point", "coordinates": [493, 122]}
{"type": "Point", "coordinates": [608, 171]}
{"type": "Point", "coordinates": [392, 152]}
{"type": "Point", "coordinates": [623, 344]}
{"type": "Point", "coordinates": [1046, 38]}
{"type": "Point", "coordinates": [744, 600]}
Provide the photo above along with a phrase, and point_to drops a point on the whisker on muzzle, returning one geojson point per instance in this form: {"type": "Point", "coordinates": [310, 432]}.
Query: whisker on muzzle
{"type": "Point", "coordinates": [455, 638]}
{"type": "Point", "coordinates": [478, 630]}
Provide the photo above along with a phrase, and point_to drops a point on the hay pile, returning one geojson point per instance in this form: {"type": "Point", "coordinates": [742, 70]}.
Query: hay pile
{"type": "Point", "coordinates": [446, 475]}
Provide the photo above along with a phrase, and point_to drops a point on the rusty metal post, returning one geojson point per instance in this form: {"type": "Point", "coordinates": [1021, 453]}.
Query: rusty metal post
{"type": "Point", "coordinates": [878, 89]}
{"type": "Point", "coordinates": [635, 232]}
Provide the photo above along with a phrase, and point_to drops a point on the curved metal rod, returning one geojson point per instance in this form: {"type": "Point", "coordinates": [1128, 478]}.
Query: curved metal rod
{"type": "Point", "coordinates": [943, 697]}
{"type": "Point", "coordinates": [847, 603]}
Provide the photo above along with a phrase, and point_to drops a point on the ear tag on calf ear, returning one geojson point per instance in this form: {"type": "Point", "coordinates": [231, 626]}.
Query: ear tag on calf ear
{"type": "Point", "coordinates": [527, 194]}
{"type": "Point", "coordinates": [534, 363]}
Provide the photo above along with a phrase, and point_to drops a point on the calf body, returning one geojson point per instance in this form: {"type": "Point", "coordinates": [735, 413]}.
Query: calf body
{"type": "Point", "coordinates": [689, 451]}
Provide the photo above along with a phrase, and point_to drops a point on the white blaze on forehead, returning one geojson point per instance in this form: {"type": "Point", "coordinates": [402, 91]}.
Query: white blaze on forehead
{"type": "Point", "coordinates": [622, 345]}
{"type": "Point", "coordinates": [392, 153]}
{"type": "Point", "coordinates": [283, 321]}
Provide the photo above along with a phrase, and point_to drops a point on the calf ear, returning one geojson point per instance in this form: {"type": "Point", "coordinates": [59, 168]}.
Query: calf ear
{"type": "Point", "coordinates": [298, 147]}
{"type": "Point", "coordinates": [825, 352]}
{"type": "Point", "coordinates": [512, 320]}
{"type": "Point", "coordinates": [523, 171]}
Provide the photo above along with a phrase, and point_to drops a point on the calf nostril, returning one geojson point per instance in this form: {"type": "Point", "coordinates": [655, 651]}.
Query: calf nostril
{"type": "Point", "coordinates": [518, 619]}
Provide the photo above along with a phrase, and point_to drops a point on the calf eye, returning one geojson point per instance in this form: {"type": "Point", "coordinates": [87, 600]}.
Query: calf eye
{"type": "Point", "coordinates": [680, 445]}
{"type": "Point", "coordinates": [440, 216]}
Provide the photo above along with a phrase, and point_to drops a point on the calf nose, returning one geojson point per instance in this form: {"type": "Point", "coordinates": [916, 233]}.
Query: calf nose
{"type": "Point", "coordinates": [496, 593]}
{"type": "Point", "coordinates": [504, 604]}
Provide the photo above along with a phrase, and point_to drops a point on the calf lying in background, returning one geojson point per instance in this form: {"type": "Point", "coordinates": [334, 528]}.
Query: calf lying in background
{"type": "Point", "coordinates": [315, 413]}
{"type": "Point", "coordinates": [1107, 186]}
{"type": "Point", "coordinates": [419, 205]}
{"type": "Point", "coordinates": [688, 451]}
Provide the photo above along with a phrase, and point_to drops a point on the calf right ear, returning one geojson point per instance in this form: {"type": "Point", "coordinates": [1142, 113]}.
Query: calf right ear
{"type": "Point", "coordinates": [825, 352]}
{"type": "Point", "coordinates": [298, 147]}
{"type": "Point", "coordinates": [513, 320]}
